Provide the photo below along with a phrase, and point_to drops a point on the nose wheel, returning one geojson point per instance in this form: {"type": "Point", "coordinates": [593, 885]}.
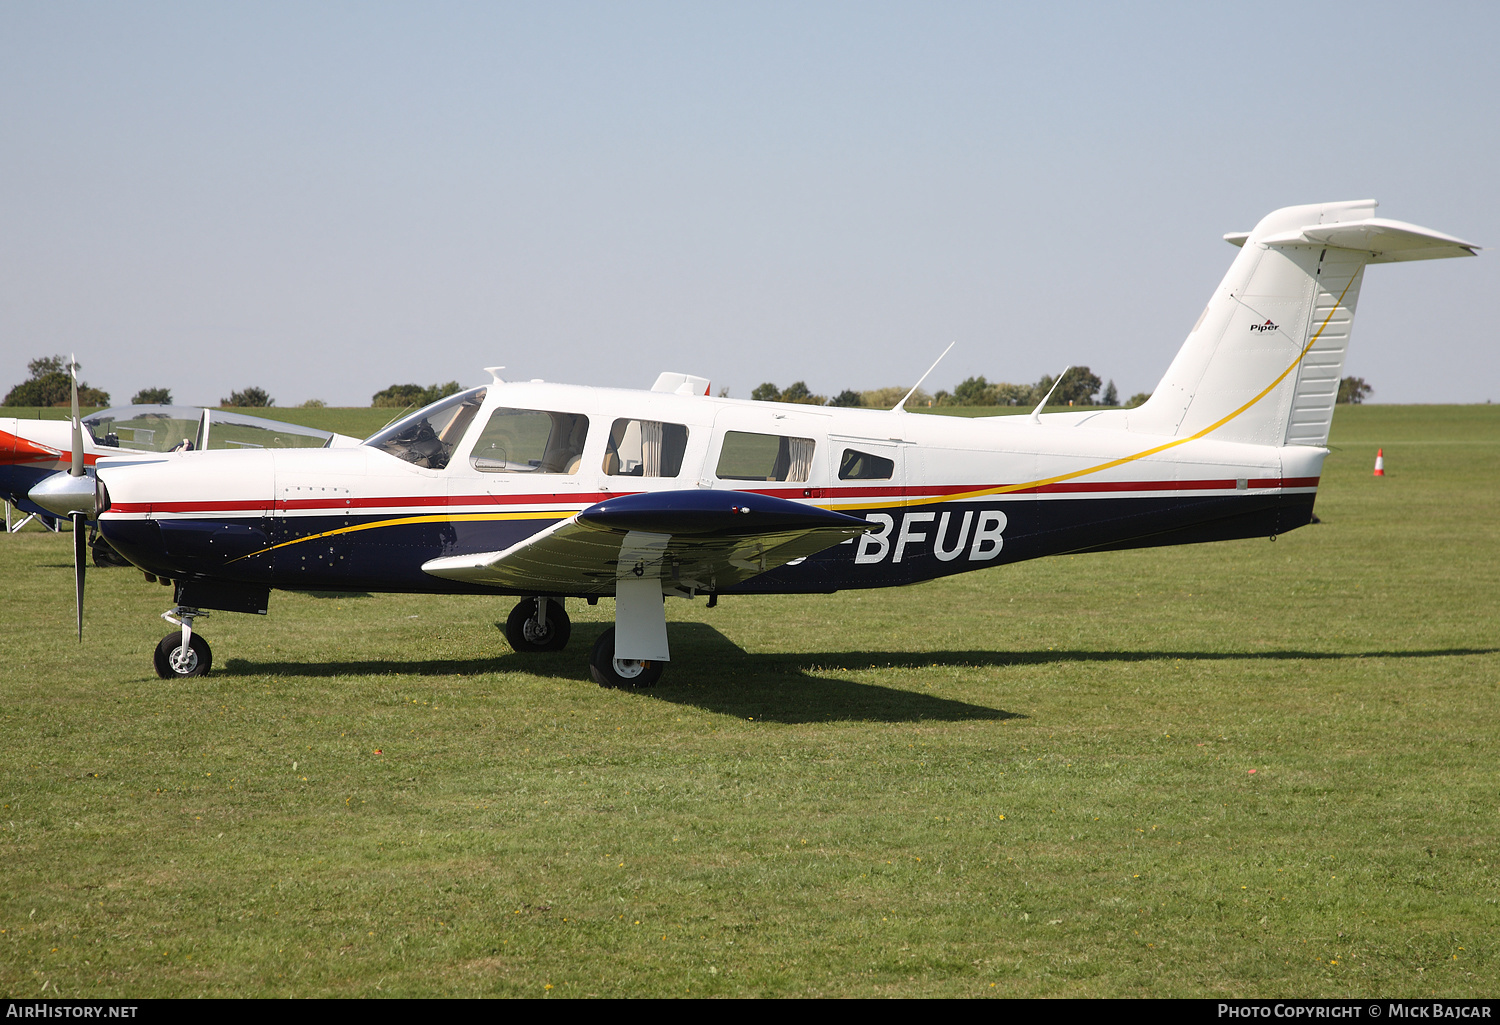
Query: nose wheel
{"type": "Point", "coordinates": [538, 624]}
{"type": "Point", "coordinates": [174, 661]}
{"type": "Point", "coordinates": [183, 653]}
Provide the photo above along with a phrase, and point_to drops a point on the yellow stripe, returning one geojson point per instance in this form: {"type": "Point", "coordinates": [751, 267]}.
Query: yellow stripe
{"type": "Point", "coordinates": [404, 520]}
{"type": "Point", "coordinates": [1003, 489]}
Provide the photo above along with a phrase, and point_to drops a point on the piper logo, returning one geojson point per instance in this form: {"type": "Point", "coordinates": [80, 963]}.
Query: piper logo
{"type": "Point", "coordinates": [985, 544]}
{"type": "Point", "coordinates": [1267, 326]}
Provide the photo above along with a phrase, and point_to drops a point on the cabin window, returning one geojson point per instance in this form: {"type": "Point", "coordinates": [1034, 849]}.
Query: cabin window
{"type": "Point", "coordinates": [645, 448]}
{"type": "Point", "coordinates": [530, 441]}
{"type": "Point", "coordinates": [427, 437]}
{"type": "Point", "coordinates": [768, 457]}
{"type": "Point", "coordinates": [857, 465]}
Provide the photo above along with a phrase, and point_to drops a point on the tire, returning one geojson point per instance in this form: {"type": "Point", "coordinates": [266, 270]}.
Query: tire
{"type": "Point", "coordinates": [609, 671]}
{"type": "Point", "coordinates": [199, 661]}
{"type": "Point", "coordinates": [521, 628]}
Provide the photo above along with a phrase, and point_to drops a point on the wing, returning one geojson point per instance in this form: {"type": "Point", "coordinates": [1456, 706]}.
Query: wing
{"type": "Point", "coordinates": [691, 540]}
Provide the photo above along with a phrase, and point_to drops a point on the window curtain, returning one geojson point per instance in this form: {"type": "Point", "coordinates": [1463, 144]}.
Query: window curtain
{"type": "Point", "coordinates": [651, 448]}
{"type": "Point", "coordinates": [801, 452]}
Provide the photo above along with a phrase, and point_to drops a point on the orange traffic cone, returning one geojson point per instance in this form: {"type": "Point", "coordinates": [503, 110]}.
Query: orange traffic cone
{"type": "Point", "coordinates": [1380, 462]}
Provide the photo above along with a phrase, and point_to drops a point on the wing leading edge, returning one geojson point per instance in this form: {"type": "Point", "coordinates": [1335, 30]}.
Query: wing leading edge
{"type": "Point", "coordinates": [690, 540]}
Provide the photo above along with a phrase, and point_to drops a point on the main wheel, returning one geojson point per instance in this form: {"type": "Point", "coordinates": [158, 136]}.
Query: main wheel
{"type": "Point", "coordinates": [525, 634]}
{"type": "Point", "coordinates": [629, 673]}
{"type": "Point", "coordinates": [173, 662]}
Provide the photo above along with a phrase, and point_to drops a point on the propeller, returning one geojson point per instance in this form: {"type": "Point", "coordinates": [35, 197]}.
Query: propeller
{"type": "Point", "coordinates": [80, 519]}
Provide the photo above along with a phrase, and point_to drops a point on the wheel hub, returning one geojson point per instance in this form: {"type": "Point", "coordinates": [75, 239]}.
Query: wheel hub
{"type": "Point", "coordinates": [535, 632]}
{"type": "Point", "coordinates": [629, 668]}
{"type": "Point", "coordinates": [183, 660]}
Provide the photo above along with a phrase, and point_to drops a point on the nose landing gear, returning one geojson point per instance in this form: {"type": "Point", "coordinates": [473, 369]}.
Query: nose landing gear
{"type": "Point", "coordinates": [183, 653]}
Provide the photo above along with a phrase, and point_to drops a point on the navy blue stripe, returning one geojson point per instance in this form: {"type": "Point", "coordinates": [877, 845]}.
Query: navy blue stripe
{"type": "Point", "coordinates": [389, 558]}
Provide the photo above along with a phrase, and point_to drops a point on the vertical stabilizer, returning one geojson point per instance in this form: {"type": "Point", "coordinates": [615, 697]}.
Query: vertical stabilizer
{"type": "Point", "coordinates": [1263, 363]}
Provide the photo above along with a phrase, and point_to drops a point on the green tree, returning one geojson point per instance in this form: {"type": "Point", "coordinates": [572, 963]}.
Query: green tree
{"type": "Point", "coordinates": [401, 396]}
{"type": "Point", "coordinates": [1079, 386]}
{"type": "Point", "coordinates": [1111, 396]}
{"type": "Point", "coordinates": [314, 404]}
{"type": "Point", "coordinates": [441, 391]}
{"type": "Point", "coordinates": [798, 392]}
{"type": "Point", "coordinates": [885, 398]}
{"type": "Point", "coordinates": [250, 397]}
{"type": "Point", "coordinates": [847, 397]}
{"type": "Point", "coordinates": [973, 391]}
{"type": "Point", "coordinates": [152, 397]}
{"type": "Point", "coordinates": [50, 384]}
{"type": "Point", "coordinates": [1013, 394]}
{"type": "Point", "coordinates": [398, 395]}
{"type": "Point", "coordinates": [1139, 398]}
{"type": "Point", "coordinates": [1354, 390]}
{"type": "Point", "coordinates": [767, 392]}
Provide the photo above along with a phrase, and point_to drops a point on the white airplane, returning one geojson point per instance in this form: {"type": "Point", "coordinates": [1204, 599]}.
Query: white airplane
{"type": "Point", "coordinates": [550, 492]}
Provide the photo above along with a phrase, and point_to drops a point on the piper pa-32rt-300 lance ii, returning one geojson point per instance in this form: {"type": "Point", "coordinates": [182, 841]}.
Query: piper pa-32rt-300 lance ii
{"type": "Point", "coordinates": [550, 492]}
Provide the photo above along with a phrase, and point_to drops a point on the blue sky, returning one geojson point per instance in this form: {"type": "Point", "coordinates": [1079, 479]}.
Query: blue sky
{"type": "Point", "coordinates": [324, 199]}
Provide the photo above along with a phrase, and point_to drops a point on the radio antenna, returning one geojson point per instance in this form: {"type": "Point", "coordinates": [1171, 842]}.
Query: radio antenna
{"type": "Point", "coordinates": [897, 407]}
{"type": "Point", "coordinates": [1037, 412]}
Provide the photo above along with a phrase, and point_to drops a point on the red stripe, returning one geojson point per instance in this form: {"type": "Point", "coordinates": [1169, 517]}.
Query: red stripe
{"type": "Point", "coordinates": [590, 498]}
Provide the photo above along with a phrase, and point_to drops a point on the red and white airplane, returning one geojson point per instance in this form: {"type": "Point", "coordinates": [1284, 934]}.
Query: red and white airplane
{"type": "Point", "coordinates": [34, 450]}
{"type": "Point", "coordinates": [551, 492]}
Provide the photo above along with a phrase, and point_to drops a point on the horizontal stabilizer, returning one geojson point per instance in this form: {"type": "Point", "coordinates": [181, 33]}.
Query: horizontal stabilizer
{"type": "Point", "coordinates": [699, 541]}
{"type": "Point", "coordinates": [1387, 241]}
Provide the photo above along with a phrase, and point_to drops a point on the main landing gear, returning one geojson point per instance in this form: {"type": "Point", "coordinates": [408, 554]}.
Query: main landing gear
{"type": "Point", "coordinates": [542, 624]}
{"type": "Point", "coordinates": [183, 653]}
{"type": "Point", "coordinates": [538, 624]}
{"type": "Point", "coordinates": [626, 673]}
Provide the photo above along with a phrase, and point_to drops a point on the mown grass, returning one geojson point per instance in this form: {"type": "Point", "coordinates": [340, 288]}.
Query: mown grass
{"type": "Point", "coordinates": [1034, 780]}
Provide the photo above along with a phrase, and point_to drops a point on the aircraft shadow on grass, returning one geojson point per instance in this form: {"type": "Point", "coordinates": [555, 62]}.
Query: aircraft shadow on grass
{"type": "Point", "coordinates": [711, 672]}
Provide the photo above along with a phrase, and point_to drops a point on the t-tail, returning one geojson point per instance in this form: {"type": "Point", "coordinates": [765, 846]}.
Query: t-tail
{"type": "Point", "coordinates": [1263, 363]}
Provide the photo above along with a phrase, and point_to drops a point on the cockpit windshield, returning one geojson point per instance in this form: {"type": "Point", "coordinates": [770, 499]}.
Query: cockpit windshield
{"type": "Point", "coordinates": [429, 436]}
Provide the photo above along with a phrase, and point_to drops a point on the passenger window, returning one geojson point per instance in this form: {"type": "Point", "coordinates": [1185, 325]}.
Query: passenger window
{"type": "Point", "coordinates": [530, 441]}
{"type": "Point", "coordinates": [748, 456]}
{"type": "Point", "coordinates": [857, 465]}
{"type": "Point", "coordinates": [645, 448]}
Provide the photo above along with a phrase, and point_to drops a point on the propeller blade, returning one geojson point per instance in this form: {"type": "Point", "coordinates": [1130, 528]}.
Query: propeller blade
{"type": "Point", "coordinates": [80, 561]}
{"type": "Point", "coordinates": [76, 470]}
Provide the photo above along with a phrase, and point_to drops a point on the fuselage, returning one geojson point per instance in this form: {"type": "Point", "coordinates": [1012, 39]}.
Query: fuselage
{"type": "Point", "coordinates": [943, 494]}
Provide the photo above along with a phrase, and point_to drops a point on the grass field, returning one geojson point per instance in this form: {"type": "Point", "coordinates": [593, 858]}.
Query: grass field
{"type": "Point", "coordinates": [1234, 769]}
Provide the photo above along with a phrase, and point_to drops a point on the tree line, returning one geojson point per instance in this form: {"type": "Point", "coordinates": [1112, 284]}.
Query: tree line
{"type": "Point", "coordinates": [51, 385]}
{"type": "Point", "coordinates": [1079, 386]}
